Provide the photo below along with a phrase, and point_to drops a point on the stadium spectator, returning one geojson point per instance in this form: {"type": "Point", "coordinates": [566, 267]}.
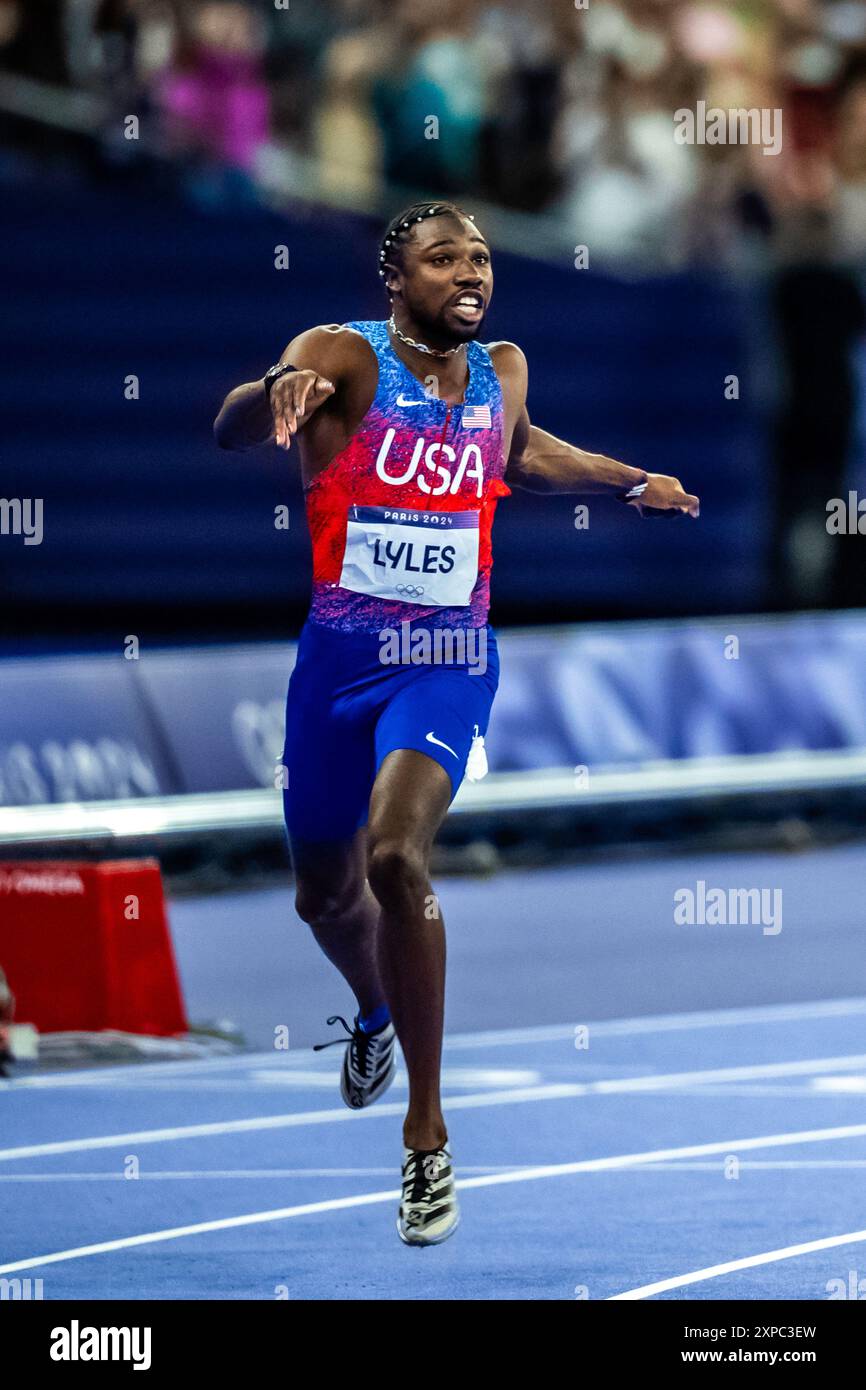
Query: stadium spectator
{"type": "Point", "coordinates": [431, 101]}
{"type": "Point", "coordinates": [214, 96]}
{"type": "Point", "coordinates": [561, 109]}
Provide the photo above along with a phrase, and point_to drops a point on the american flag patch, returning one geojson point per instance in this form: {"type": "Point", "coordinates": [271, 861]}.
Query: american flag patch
{"type": "Point", "coordinates": [476, 417]}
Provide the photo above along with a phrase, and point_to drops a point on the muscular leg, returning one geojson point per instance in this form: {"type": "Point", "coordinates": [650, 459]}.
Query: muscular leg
{"type": "Point", "coordinates": [409, 800]}
{"type": "Point", "coordinates": [334, 897]}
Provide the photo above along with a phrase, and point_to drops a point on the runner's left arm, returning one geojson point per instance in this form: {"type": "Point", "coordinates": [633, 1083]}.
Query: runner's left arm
{"type": "Point", "coordinates": [539, 462]}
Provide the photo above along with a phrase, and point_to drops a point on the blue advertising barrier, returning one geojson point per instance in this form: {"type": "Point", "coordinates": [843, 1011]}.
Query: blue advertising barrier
{"type": "Point", "coordinates": [221, 712]}
{"type": "Point", "coordinates": [76, 729]}
{"type": "Point", "coordinates": [211, 719]}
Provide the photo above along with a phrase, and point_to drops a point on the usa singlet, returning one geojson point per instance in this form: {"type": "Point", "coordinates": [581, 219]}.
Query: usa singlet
{"type": "Point", "coordinates": [400, 522]}
{"type": "Point", "coordinates": [403, 515]}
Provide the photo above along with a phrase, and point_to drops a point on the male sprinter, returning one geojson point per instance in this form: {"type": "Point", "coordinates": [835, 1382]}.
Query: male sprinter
{"type": "Point", "coordinates": [409, 431]}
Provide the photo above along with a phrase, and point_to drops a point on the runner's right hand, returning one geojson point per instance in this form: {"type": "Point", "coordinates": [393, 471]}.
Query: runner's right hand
{"type": "Point", "coordinates": [294, 398]}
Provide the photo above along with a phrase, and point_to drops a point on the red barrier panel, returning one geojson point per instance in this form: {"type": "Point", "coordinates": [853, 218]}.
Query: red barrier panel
{"type": "Point", "coordinates": [87, 946]}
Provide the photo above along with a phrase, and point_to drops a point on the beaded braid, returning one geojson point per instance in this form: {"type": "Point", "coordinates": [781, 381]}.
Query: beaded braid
{"type": "Point", "coordinates": [399, 229]}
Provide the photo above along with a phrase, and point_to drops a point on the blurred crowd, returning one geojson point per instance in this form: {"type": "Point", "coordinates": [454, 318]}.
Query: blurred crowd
{"type": "Point", "coordinates": [565, 107]}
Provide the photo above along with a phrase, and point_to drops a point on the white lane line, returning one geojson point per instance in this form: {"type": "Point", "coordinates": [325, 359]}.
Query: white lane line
{"type": "Point", "coordinates": [840, 1085]}
{"type": "Point", "coordinates": [813, 1066]}
{"type": "Point", "coordinates": [603, 1028]}
{"type": "Point", "coordinates": [197, 1175]}
{"type": "Point", "coordinates": [303, 1117]}
{"type": "Point", "coordinates": [753, 1164]}
{"type": "Point", "coordinates": [514, 1096]}
{"type": "Point", "coordinates": [799, 1091]}
{"type": "Point", "coordinates": [788, 1252]}
{"type": "Point", "coordinates": [664, 1023]}
{"type": "Point", "coordinates": [552, 1170]}
{"type": "Point", "coordinates": [468, 1078]}
{"type": "Point", "coordinates": [327, 1078]}
{"type": "Point", "coordinates": [255, 1173]}
{"type": "Point", "coordinates": [312, 1079]}
{"type": "Point", "coordinates": [200, 1228]}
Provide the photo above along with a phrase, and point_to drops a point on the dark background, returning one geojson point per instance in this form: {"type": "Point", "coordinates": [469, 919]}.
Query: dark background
{"type": "Point", "coordinates": [304, 128]}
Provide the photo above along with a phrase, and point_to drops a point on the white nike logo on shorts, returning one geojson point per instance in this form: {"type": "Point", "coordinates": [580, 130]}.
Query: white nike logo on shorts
{"type": "Point", "coordinates": [431, 738]}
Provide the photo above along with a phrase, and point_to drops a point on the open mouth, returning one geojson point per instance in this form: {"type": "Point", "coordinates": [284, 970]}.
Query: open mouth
{"type": "Point", "coordinates": [469, 306]}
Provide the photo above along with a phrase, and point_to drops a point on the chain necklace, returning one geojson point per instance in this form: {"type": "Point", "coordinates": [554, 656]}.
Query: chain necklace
{"type": "Point", "coordinates": [420, 347]}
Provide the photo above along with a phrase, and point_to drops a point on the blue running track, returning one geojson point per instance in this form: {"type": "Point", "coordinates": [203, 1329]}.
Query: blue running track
{"type": "Point", "coordinates": [709, 1152]}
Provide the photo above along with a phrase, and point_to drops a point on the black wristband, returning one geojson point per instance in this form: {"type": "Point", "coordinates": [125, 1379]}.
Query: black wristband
{"type": "Point", "coordinates": [274, 373]}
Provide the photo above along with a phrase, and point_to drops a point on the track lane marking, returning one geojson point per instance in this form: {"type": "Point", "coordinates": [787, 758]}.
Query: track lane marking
{"type": "Point", "coordinates": [554, 1170]}
{"type": "Point", "coordinates": [258, 1123]}
{"type": "Point", "coordinates": [539, 1033]}
{"type": "Point", "coordinates": [664, 1023]}
{"type": "Point", "coordinates": [228, 1174]}
{"type": "Point", "coordinates": [513, 1096]}
{"type": "Point", "coordinates": [787, 1252]}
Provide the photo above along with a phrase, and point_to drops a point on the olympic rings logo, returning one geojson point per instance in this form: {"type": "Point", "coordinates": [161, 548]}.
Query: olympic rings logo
{"type": "Point", "coordinates": [411, 590]}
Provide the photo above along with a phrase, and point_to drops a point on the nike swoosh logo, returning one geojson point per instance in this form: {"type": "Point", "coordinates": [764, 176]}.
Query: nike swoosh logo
{"type": "Point", "coordinates": [431, 738]}
{"type": "Point", "coordinates": [402, 401]}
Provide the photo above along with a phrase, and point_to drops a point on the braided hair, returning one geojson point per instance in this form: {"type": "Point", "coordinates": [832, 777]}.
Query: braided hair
{"type": "Point", "coordinates": [399, 229]}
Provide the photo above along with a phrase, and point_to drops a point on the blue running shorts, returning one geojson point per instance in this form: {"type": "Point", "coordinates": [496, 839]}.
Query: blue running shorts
{"type": "Point", "coordinates": [347, 709]}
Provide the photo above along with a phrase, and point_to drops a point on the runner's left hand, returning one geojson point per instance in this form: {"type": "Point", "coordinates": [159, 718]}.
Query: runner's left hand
{"type": "Point", "coordinates": [665, 496]}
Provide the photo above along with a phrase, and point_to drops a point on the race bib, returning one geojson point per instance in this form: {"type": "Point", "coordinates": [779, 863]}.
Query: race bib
{"type": "Point", "coordinates": [430, 558]}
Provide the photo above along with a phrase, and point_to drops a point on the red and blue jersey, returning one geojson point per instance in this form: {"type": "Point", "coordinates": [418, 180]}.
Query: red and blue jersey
{"type": "Point", "coordinates": [401, 519]}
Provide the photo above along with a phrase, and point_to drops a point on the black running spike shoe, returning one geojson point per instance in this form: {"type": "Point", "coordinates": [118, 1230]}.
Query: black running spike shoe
{"type": "Point", "coordinates": [368, 1062]}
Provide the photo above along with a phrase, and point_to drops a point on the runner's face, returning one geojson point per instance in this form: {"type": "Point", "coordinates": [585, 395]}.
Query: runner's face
{"type": "Point", "coordinates": [445, 278]}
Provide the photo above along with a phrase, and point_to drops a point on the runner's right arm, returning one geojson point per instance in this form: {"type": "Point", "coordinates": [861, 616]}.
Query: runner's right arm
{"type": "Point", "coordinates": [248, 418]}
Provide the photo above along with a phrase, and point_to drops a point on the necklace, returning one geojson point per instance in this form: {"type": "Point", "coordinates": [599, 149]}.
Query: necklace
{"type": "Point", "coordinates": [420, 347]}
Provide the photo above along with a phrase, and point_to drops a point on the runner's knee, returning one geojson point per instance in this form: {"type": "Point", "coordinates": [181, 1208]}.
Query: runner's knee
{"type": "Point", "coordinates": [328, 906]}
{"type": "Point", "coordinates": [397, 870]}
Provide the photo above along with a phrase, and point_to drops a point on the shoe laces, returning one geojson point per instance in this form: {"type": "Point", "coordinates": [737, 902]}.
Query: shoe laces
{"type": "Point", "coordinates": [363, 1045]}
{"type": "Point", "coordinates": [420, 1175]}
